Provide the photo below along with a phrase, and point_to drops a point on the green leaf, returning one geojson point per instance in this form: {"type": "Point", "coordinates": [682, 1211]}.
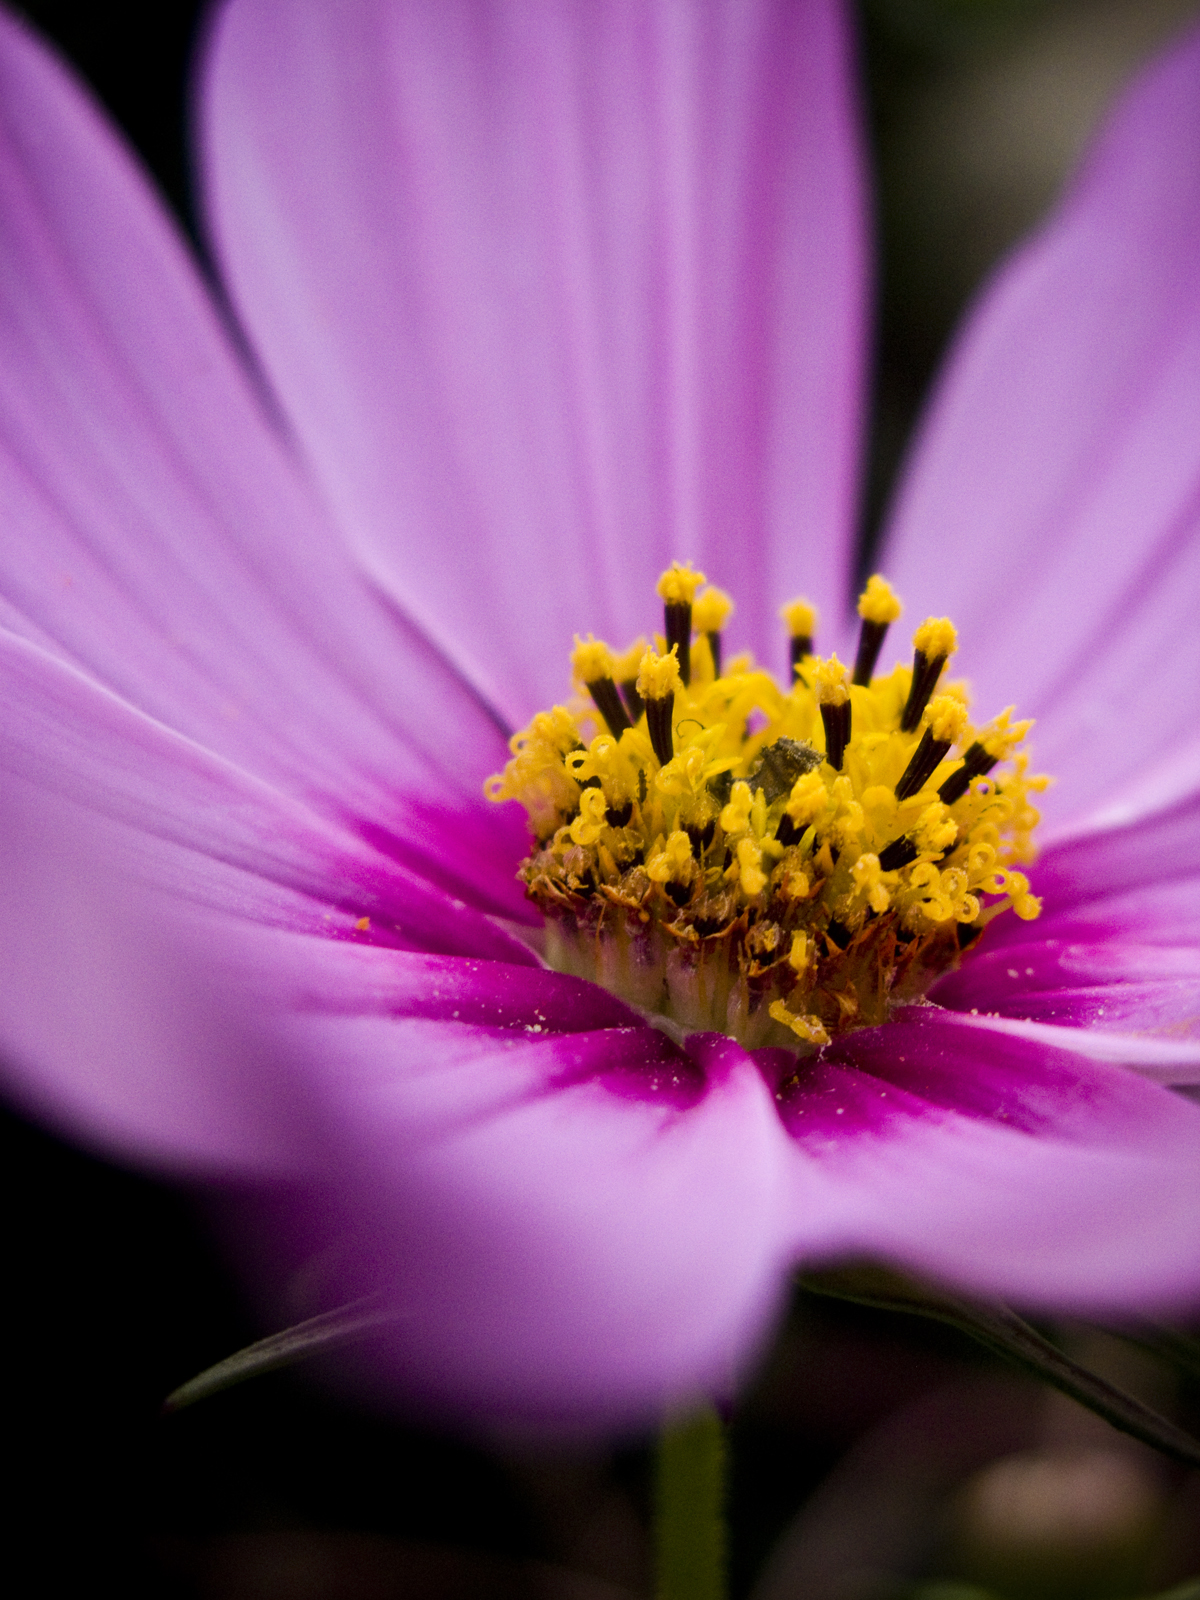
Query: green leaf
{"type": "Point", "coordinates": [1005, 1334]}
{"type": "Point", "coordinates": [329, 1331]}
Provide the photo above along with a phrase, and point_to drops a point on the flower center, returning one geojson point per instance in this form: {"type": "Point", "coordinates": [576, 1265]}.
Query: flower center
{"type": "Point", "coordinates": [777, 864]}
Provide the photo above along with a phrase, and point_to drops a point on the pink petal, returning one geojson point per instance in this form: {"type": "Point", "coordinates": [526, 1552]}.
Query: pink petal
{"type": "Point", "coordinates": [1002, 1165]}
{"type": "Point", "coordinates": [202, 827]}
{"type": "Point", "coordinates": [581, 1229]}
{"type": "Point", "coordinates": [158, 536]}
{"type": "Point", "coordinates": [1113, 1001]}
{"type": "Point", "coordinates": [552, 295]}
{"type": "Point", "coordinates": [1172, 1061]}
{"type": "Point", "coordinates": [1053, 507]}
{"type": "Point", "coordinates": [111, 1029]}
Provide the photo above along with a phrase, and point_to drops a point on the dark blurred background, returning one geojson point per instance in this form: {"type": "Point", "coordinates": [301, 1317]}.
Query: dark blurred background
{"type": "Point", "coordinates": [875, 1456]}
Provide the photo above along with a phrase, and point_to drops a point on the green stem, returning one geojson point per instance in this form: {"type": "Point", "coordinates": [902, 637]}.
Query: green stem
{"type": "Point", "coordinates": [689, 1514]}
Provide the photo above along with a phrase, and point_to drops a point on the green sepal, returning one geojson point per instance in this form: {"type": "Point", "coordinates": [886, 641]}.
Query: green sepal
{"type": "Point", "coordinates": [1006, 1335]}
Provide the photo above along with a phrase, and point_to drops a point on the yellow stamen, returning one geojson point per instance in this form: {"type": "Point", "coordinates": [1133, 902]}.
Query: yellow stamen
{"type": "Point", "coordinates": [833, 683]}
{"type": "Point", "coordinates": [658, 676]}
{"type": "Point", "coordinates": [678, 584]}
{"type": "Point", "coordinates": [800, 617]}
{"type": "Point", "coordinates": [591, 660]}
{"type": "Point", "coordinates": [936, 637]}
{"type": "Point", "coordinates": [625, 666]}
{"type": "Point", "coordinates": [711, 611]}
{"type": "Point", "coordinates": [947, 718]}
{"type": "Point", "coordinates": [879, 602]}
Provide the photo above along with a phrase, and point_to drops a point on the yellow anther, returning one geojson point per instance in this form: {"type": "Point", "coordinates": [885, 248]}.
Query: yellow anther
{"type": "Point", "coordinates": [879, 602]}
{"type": "Point", "coordinates": [800, 617]}
{"type": "Point", "coordinates": [735, 817]}
{"type": "Point", "coordinates": [751, 876]}
{"type": "Point", "coordinates": [625, 666]}
{"type": "Point", "coordinates": [671, 864]}
{"type": "Point", "coordinates": [589, 824]}
{"type": "Point", "coordinates": [936, 637]}
{"type": "Point", "coordinates": [658, 676]}
{"type": "Point", "coordinates": [711, 611]}
{"type": "Point", "coordinates": [833, 683]}
{"type": "Point", "coordinates": [591, 660]}
{"type": "Point", "coordinates": [801, 953]}
{"type": "Point", "coordinates": [1028, 907]}
{"type": "Point", "coordinates": [678, 584]}
{"type": "Point", "coordinates": [947, 718]}
{"type": "Point", "coordinates": [810, 1029]}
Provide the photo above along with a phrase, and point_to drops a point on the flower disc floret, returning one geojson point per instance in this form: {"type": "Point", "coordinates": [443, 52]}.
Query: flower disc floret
{"type": "Point", "coordinates": [782, 865]}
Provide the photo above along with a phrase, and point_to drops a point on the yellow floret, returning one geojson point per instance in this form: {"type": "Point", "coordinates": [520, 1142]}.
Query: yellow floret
{"type": "Point", "coordinates": [711, 611]}
{"type": "Point", "coordinates": [937, 636]}
{"type": "Point", "coordinates": [751, 876]}
{"type": "Point", "coordinates": [808, 799]}
{"type": "Point", "coordinates": [810, 1029]}
{"type": "Point", "coordinates": [800, 953]}
{"type": "Point", "coordinates": [589, 824]}
{"type": "Point", "coordinates": [800, 618]}
{"type": "Point", "coordinates": [684, 774]}
{"type": "Point", "coordinates": [879, 602]}
{"type": "Point", "coordinates": [591, 660]}
{"type": "Point", "coordinates": [678, 584]}
{"type": "Point", "coordinates": [658, 676]}
{"type": "Point", "coordinates": [866, 873]}
{"type": "Point", "coordinates": [735, 817]}
{"type": "Point", "coordinates": [671, 864]}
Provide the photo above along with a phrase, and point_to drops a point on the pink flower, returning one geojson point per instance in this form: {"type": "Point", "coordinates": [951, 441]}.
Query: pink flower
{"type": "Point", "coordinates": [539, 298]}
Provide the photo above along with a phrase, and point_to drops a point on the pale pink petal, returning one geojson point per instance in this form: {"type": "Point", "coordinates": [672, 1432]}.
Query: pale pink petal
{"type": "Point", "coordinates": [580, 1229]}
{"type": "Point", "coordinates": [157, 534]}
{"type": "Point", "coordinates": [1173, 1061]}
{"type": "Point", "coordinates": [553, 294]}
{"type": "Point", "coordinates": [1001, 1165]}
{"type": "Point", "coordinates": [1112, 1001]}
{"type": "Point", "coordinates": [1053, 506]}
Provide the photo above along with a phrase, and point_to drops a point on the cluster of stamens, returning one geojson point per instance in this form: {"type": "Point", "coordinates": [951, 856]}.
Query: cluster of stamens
{"type": "Point", "coordinates": [777, 864]}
